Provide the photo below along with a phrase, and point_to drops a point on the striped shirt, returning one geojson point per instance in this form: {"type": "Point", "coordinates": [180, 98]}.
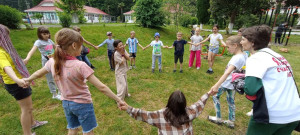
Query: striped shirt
{"type": "Point", "coordinates": [156, 118]}
{"type": "Point", "coordinates": [132, 43]}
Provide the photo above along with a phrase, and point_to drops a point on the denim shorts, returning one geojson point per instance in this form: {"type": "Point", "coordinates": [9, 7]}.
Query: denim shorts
{"type": "Point", "coordinates": [214, 49]}
{"type": "Point", "coordinates": [78, 114]}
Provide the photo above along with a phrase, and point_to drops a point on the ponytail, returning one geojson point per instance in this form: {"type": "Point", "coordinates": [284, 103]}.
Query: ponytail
{"type": "Point", "coordinates": [64, 38]}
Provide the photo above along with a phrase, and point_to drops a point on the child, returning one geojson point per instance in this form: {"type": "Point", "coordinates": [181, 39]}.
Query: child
{"type": "Point", "coordinates": [132, 43]}
{"type": "Point", "coordinates": [195, 49]}
{"type": "Point", "coordinates": [46, 48]}
{"type": "Point", "coordinates": [110, 48]}
{"type": "Point", "coordinates": [84, 50]}
{"type": "Point", "coordinates": [12, 69]}
{"type": "Point", "coordinates": [179, 51]}
{"type": "Point", "coordinates": [70, 75]}
{"type": "Point", "coordinates": [156, 53]}
{"type": "Point", "coordinates": [175, 119]}
{"type": "Point", "coordinates": [120, 60]}
{"type": "Point", "coordinates": [224, 84]}
{"type": "Point", "coordinates": [213, 47]}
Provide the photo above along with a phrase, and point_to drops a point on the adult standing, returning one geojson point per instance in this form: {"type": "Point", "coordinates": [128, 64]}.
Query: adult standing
{"type": "Point", "coordinates": [270, 85]}
{"type": "Point", "coordinates": [279, 31]}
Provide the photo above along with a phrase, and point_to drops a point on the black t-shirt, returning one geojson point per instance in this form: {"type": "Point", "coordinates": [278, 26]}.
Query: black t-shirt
{"type": "Point", "coordinates": [179, 47]}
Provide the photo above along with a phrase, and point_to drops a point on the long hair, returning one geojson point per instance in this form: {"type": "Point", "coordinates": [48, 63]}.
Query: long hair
{"type": "Point", "coordinates": [175, 112]}
{"type": "Point", "coordinates": [7, 45]}
{"type": "Point", "coordinates": [115, 44]}
{"type": "Point", "coordinates": [64, 38]}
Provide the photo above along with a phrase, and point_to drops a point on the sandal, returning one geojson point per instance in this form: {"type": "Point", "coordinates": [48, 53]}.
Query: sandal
{"type": "Point", "coordinates": [38, 124]}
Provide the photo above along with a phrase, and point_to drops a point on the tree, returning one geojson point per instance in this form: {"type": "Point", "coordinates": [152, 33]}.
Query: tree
{"type": "Point", "coordinates": [10, 17]}
{"type": "Point", "coordinates": [149, 13]}
{"type": "Point", "coordinates": [36, 2]}
{"type": "Point", "coordinates": [292, 3]}
{"type": "Point", "coordinates": [202, 13]}
{"type": "Point", "coordinates": [73, 7]}
{"type": "Point", "coordinates": [232, 8]}
{"type": "Point", "coordinates": [38, 16]}
{"type": "Point", "coordinates": [121, 5]}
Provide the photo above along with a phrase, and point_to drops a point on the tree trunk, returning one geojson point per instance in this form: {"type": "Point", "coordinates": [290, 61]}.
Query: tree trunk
{"type": "Point", "coordinates": [231, 23]}
{"type": "Point", "coordinates": [201, 26]}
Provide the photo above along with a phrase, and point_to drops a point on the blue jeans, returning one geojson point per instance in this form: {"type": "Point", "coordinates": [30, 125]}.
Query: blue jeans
{"type": "Point", "coordinates": [110, 55]}
{"type": "Point", "coordinates": [154, 57]}
{"type": "Point", "coordinates": [78, 114]}
{"type": "Point", "coordinates": [230, 101]}
{"type": "Point", "coordinates": [85, 59]}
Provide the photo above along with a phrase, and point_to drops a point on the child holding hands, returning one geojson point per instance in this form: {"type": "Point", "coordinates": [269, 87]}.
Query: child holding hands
{"type": "Point", "coordinates": [156, 53]}
{"type": "Point", "coordinates": [224, 84]}
{"type": "Point", "coordinates": [132, 43]}
{"type": "Point", "coordinates": [195, 49]}
{"type": "Point", "coordinates": [70, 75]}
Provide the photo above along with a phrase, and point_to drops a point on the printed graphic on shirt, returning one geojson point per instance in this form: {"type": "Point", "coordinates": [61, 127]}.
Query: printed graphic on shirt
{"type": "Point", "coordinates": [157, 48]}
{"type": "Point", "coordinates": [283, 65]}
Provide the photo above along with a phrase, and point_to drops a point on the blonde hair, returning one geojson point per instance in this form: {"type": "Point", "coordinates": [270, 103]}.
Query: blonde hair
{"type": "Point", "coordinates": [64, 38]}
{"type": "Point", "coordinates": [235, 40]}
{"type": "Point", "coordinates": [179, 33]}
{"type": "Point", "coordinates": [131, 32]}
{"type": "Point", "coordinates": [197, 28]}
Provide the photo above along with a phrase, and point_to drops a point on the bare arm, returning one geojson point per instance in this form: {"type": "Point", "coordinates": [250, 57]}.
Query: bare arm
{"type": "Point", "coordinates": [146, 46]}
{"type": "Point", "coordinates": [37, 74]}
{"type": "Point", "coordinates": [11, 73]}
{"type": "Point", "coordinates": [102, 87]}
{"type": "Point", "coordinates": [223, 43]}
{"type": "Point", "coordinates": [87, 42]}
{"type": "Point", "coordinates": [204, 40]}
{"type": "Point", "coordinates": [223, 78]}
{"type": "Point", "coordinates": [29, 55]}
{"type": "Point", "coordinates": [140, 45]}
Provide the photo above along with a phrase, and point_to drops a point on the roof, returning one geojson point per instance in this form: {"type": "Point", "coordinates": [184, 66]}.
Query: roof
{"type": "Point", "coordinates": [49, 7]}
{"type": "Point", "coordinates": [94, 10]}
{"type": "Point", "coordinates": [129, 12]}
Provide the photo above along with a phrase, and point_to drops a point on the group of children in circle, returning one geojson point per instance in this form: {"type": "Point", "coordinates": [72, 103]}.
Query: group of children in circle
{"type": "Point", "coordinates": [61, 67]}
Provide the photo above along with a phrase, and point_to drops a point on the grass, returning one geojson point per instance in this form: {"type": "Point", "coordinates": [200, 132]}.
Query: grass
{"type": "Point", "coordinates": [148, 91]}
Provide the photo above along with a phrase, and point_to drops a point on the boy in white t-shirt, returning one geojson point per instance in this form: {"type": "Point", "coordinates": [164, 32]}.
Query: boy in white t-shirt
{"type": "Point", "coordinates": [156, 53]}
{"type": "Point", "coordinates": [224, 83]}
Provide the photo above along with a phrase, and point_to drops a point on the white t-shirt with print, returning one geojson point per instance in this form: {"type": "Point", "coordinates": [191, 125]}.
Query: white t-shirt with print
{"type": "Point", "coordinates": [45, 47]}
{"type": "Point", "coordinates": [157, 45]}
{"type": "Point", "coordinates": [238, 61]}
{"type": "Point", "coordinates": [214, 39]}
{"type": "Point", "coordinates": [196, 39]}
{"type": "Point", "coordinates": [280, 90]}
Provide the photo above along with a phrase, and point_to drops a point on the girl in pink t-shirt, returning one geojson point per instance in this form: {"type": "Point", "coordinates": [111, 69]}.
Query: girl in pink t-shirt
{"type": "Point", "coordinates": [70, 75]}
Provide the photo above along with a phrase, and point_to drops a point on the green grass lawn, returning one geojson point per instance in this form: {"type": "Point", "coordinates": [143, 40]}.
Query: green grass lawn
{"type": "Point", "coordinates": [148, 90]}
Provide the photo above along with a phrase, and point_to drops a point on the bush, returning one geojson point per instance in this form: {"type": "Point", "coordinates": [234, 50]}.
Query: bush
{"type": "Point", "coordinates": [194, 20]}
{"type": "Point", "coordinates": [185, 20]}
{"type": "Point", "coordinates": [65, 19]}
{"type": "Point", "coordinates": [10, 17]}
{"type": "Point", "coordinates": [81, 19]}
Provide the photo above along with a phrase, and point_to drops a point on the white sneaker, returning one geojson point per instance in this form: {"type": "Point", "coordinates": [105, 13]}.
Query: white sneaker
{"type": "Point", "coordinates": [56, 97]}
{"type": "Point", "coordinates": [229, 123]}
{"type": "Point", "coordinates": [134, 66]}
{"type": "Point", "coordinates": [198, 68]}
{"type": "Point", "coordinates": [214, 119]}
{"type": "Point", "coordinates": [250, 113]}
{"type": "Point", "coordinates": [130, 67]}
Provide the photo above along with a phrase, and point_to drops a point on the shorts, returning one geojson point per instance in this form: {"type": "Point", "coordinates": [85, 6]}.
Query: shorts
{"type": "Point", "coordinates": [132, 55]}
{"type": "Point", "coordinates": [18, 92]}
{"type": "Point", "coordinates": [214, 49]}
{"type": "Point", "coordinates": [176, 57]}
{"type": "Point", "coordinates": [78, 114]}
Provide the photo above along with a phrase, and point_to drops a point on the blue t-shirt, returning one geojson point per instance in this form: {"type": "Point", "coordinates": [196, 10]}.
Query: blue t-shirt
{"type": "Point", "coordinates": [179, 47]}
{"type": "Point", "coordinates": [109, 43]}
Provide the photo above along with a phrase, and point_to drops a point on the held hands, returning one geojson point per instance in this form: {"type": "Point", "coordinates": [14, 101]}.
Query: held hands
{"type": "Point", "coordinates": [213, 90]}
{"type": "Point", "coordinates": [25, 61]}
{"type": "Point", "coordinates": [22, 83]}
{"type": "Point", "coordinates": [122, 105]}
{"type": "Point", "coordinates": [96, 47]}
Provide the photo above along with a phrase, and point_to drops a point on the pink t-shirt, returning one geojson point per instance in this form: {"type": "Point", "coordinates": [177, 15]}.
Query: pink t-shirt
{"type": "Point", "coordinates": [71, 82]}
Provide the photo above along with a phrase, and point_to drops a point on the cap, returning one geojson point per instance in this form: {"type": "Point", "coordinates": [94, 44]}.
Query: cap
{"type": "Point", "coordinates": [156, 34]}
{"type": "Point", "coordinates": [109, 33]}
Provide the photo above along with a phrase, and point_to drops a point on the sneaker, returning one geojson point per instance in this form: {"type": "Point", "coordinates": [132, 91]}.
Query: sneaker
{"type": "Point", "coordinates": [160, 70]}
{"type": "Point", "coordinates": [38, 124]}
{"type": "Point", "coordinates": [128, 95]}
{"type": "Point", "coordinates": [174, 71]}
{"type": "Point", "coordinates": [215, 120]}
{"type": "Point", "coordinates": [198, 68]}
{"type": "Point", "coordinates": [134, 66]}
{"type": "Point", "coordinates": [56, 97]}
{"type": "Point", "coordinates": [250, 113]}
{"type": "Point", "coordinates": [112, 69]}
{"type": "Point", "coordinates": [211, 72]}
{"type": "Point", "coordinates": [208, 71]}
{"type": "Point", "coordinates": [181, 71]}
{"type": "Point", "coordinates": [229, 123]}
{"type": "Point", "coordinates": [152, 70]}
{"type": "Point", "coordinates": [130, 67]}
